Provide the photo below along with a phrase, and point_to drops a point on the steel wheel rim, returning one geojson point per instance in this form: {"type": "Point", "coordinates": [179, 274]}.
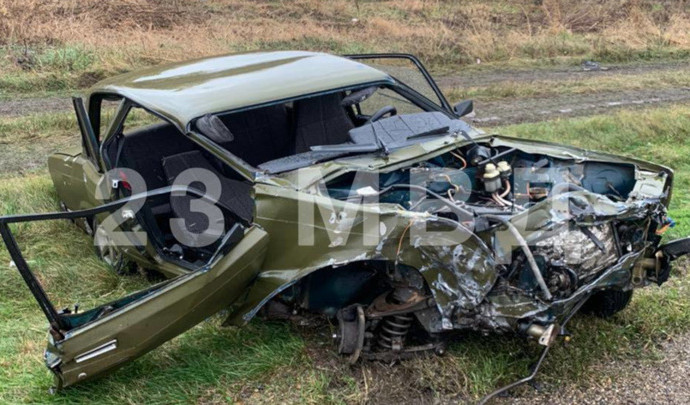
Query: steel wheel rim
{"type": "Point", "coordinates": [106, 247]}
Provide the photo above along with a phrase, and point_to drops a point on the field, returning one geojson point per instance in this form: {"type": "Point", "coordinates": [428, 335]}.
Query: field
{"type": "Point", "coordinates": [529, 53]}
{"type": "Point", "coordinates": [56, 46]}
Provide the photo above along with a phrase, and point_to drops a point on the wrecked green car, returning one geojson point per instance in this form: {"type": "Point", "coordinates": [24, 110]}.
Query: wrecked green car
{"type": "Point", "coordinates": [278, 184]}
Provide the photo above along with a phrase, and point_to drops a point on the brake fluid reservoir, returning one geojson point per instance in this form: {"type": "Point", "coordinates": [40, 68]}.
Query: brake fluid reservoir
{"type": "Point", "coordinates": [505, 169]}
{"type": "Point", "coordinates": [491, 178]}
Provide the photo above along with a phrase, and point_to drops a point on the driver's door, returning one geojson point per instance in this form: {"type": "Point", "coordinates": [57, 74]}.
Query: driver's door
{"type": "Point", "coordinates": [410, 72]}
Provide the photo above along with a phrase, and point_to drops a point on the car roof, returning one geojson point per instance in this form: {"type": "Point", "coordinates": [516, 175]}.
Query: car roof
{"type": "Point", "coordinates": [186, 90]}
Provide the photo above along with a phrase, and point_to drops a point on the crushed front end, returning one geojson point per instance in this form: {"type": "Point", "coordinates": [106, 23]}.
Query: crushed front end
{"type": "Point", "coordinates": [497, 235]}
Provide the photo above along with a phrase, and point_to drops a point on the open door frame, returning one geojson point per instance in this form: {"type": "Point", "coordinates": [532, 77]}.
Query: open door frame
{"type": "Point", "coordinates": [84, 345]}
{"type": "Point", "coordinates": [88, 136]}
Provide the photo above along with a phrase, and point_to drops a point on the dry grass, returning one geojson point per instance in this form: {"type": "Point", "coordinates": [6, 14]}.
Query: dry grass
{"type": "Point", "coordinates": [90, 38]}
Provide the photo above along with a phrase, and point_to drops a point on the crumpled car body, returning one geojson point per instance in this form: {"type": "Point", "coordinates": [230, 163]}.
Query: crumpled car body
{"type": "Point", "coordinates": [277, 184]}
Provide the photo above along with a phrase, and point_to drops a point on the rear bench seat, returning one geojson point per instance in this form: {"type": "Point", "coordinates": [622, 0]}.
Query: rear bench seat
{"type": "Point", "coordinates": [144, 148]}
{"type": "Point", "coordinates": [235, 195]}
{"type": "Point", "coordinates": [261, 134]}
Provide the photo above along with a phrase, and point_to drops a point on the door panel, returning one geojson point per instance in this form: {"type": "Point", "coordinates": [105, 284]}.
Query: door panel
{"type": "Point", "coordinates": [148, 322]}
{"type": "Point", "coordinates": [86, 344]}
{"type": "Point", "coordinates": [75, 178]}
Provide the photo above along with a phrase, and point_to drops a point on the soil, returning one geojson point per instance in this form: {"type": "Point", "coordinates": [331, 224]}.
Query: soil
{"type": "Point", "coordinates": [504, 112]}
{"type": "Point", "coordinates": [662, 381]}
{"type": "Point", "coordinates": [27, 106]}
{"type": "Point", "coordinates": [494, 76]}
{"type": "Point", "coordinates": [519, 110]}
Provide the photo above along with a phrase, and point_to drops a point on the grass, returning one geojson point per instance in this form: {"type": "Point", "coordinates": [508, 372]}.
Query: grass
{"type": "Point", "coordinates": [61, 46]}
{"type": "Point", "coordinates": [270, 362]}
{"type": "Point", "coordinates": [27, 140]}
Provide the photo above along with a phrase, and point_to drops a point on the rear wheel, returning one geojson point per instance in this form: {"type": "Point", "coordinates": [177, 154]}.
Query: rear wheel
{"type": "Point", "coordinates": [607, 303]}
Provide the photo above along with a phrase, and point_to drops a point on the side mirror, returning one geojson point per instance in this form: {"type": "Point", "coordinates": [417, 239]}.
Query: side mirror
{"type": "Point", "coordinates": [463, 108]}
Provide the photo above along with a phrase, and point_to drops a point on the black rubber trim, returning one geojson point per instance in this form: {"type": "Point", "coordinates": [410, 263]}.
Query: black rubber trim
{"type": "Point", "coordinates": [29, 278]}
{"type": "Point", "coordinates": [676, 248]}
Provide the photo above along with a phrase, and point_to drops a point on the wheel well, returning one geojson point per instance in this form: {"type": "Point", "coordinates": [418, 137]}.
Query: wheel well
{"type": "Point", "coordinates": [330, 288]}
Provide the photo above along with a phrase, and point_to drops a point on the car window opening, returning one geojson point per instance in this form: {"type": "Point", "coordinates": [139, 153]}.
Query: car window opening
{"type": "Point", "coordinates": [287, 136]}
{"type": "Point", "coordinates": [159, 153]}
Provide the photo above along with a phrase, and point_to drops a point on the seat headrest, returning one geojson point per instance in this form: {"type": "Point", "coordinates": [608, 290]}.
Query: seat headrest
{"type": "Point", "coordinates": [213, 128]}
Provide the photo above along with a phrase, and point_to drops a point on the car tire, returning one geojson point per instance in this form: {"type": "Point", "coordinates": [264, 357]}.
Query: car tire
{"type": "Point", "coordinates": [108, 252]}
{"type": "Point", "coordinates": [607, 303]}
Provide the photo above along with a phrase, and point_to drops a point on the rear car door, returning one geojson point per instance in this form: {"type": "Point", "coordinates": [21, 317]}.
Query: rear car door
{"type": "Point", "coordinates": [77, 173]}
{"type": "Point", "coordinates": [86, 344]}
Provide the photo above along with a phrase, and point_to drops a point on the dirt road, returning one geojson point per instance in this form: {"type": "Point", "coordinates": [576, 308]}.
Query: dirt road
{"type": "Point", "coordinates": [504, 112]}
{"type": "Point", "coordinates": [26, 106]}
{"type": "Point", "coordinates": [494, 76]}
{"type": "Point", "coordinates": [534, 109]}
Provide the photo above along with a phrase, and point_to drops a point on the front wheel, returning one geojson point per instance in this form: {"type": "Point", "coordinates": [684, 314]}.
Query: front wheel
{"type": "Point", "coordinates": [107, 251]}
{"type": "Point", "coordinates": [607, 303]}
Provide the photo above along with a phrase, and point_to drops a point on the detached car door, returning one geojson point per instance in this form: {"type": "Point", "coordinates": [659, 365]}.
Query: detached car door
{"type": "Point", "coordinates": [86, 344]}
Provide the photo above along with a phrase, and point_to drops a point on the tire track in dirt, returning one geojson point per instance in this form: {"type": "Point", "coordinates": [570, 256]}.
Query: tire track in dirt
{"type": "Point", "coordinates": [503, 112]}
{"type": "Point", "coordinates": [535, 109]}
{"type": "Point", "coordinates": [497, 76]}
{"type": "Point", "coordinates": [28, 106]}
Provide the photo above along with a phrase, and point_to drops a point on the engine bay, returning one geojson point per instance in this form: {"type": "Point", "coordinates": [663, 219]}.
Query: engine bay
{"type": "Point", "coordinates": [497, 180]}
{"type": "Point", "coordinates": [577, 217]}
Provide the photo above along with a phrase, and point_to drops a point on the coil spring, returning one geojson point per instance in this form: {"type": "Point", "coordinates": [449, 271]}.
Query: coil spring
{"type": "Point", "coordinates": [394, 327]}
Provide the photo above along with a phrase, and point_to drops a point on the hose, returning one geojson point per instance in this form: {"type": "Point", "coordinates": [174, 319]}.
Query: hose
{"type": "Point", "coordinates": [507, 189]}
{"type": "Point", "coordinates": [528, 253]}
{"type": "Point", "coordinates": [461, 212]}
{"type": "Point", "coordinates": [564, 188]}
{"type": "Point", "coordinates": [497, 199]}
